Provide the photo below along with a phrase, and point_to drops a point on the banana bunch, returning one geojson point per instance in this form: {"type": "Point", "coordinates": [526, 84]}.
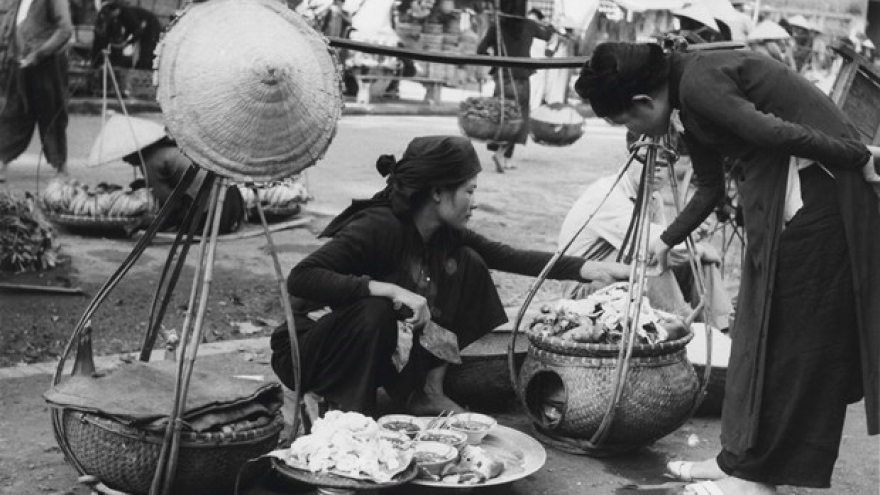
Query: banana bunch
{"type": "Point", "coordinates": [129, 204]}
{"type": "Point", "coordinates": [83, 204]}
{"type": "Point", "coordinates": [275, 194]}
{"type": "Point", "coordinates": [59, 193]}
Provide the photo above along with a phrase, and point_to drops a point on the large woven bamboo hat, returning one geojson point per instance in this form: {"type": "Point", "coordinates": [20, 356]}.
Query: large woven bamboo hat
{"type": "Point", "coordinates": [247, 89]}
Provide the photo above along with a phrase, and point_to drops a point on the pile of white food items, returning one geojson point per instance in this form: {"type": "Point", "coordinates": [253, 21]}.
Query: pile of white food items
{"type": "Point", "coordinates": [600, 319]}
{"type": "Point", "coordinates": [279, 194]}
{"type": "Point", "coordinates": [70, 197]}
{"type": "Point", "coordinates": [348, 444]}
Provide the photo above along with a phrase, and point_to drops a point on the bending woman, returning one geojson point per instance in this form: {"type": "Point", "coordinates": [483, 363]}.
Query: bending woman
{"type": "Point", "coordinates": [399, 261]}
{"type": "Point", "coordinates": [805, 337]}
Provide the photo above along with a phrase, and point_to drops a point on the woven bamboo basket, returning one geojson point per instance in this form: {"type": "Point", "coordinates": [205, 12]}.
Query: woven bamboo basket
{"type": "Point", "coordinates": [489, 126]}
{"type": "Point", "coordinates": [550, 134]}
{"type": "Point", "coordinates": [124, 458]}
{"type": "Point", "coordinates": [486, 130]}
{"type": "Point", "coordinates": [138, 83]}
{"type": "Point", "coordinates": [658, 392]}
{"type": "Point", "coordinates": [97, 223]}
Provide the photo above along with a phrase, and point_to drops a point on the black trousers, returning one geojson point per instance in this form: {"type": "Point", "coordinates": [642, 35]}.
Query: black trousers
{"type": "Point", "coordinates": [36, 97]}
{"type": "Point", "coordinates": [346, 355]}
{"type": "Point", "coordinates": [812, 368]}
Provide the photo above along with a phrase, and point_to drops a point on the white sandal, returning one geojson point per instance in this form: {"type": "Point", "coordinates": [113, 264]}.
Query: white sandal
{"type": "Point", "coordinates": [680, 470]}
{"type": "Point", "coordinates": [703, 488]}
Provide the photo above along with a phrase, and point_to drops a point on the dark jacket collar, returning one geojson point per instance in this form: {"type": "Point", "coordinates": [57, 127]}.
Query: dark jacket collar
{"type": "Point", "coordinates": [677, 64]}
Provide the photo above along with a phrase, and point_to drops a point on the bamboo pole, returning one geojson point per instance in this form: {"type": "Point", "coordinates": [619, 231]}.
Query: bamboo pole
{"type": "Point", "coordinates": [190, 357]}
{"type": "Point", "coordinates": [288, 313]}
{"type": "Point", "coordinates": [162, 465]}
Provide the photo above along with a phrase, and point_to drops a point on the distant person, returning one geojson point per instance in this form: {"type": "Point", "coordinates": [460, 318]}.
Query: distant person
{"type": "Point", "coordinates": [36, 95]}
{"type": "Point", "coordinates": [603, 238]}
{"type": "Point", "coordinates": [131, 34]}
{"type": "Point", "coordinates": [517, 33]}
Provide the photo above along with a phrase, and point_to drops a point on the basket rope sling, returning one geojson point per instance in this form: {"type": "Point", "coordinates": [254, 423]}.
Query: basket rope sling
{"type": "Point", "coordinates": [163, 467]}
{"type": "Point", "coordinates": [650, 390]}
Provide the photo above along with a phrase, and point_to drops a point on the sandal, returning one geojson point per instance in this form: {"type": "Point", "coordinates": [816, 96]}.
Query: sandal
{"type": "Point", "coordinates": [702, 488]}
{"type": "Point", "coordinates": [681, 470]}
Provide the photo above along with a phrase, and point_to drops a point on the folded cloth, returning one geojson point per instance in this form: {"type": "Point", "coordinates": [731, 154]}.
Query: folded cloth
{"type": "Point", "coordinates": [141, 394]}
{"type": "Point", "coordinates": [440, 342]}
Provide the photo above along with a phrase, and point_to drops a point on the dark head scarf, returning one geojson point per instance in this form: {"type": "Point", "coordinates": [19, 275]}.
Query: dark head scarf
{"type": "Point", "coordinates": [429, 161]}
{"type": "Point", "coordinates": [616, 72]}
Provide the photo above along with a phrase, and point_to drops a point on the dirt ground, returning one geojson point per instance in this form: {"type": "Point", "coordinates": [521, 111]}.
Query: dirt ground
{"type": "Point", "coordinates": [523, 207]}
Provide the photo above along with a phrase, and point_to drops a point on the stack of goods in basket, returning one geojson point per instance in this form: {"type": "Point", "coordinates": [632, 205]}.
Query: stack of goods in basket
{"type": "Point", "coordinates": [285, 196]}
{"type": "Point", "coordinates": [70, 197]}
{"type": "Point", "coordinates": [350, 445]}
{"type": "Point", "coordinates": [600, 318]}
{"type": "Point", "coordinates": [556, 124]}
{"type": "Point", "coordinates": [481, 118]}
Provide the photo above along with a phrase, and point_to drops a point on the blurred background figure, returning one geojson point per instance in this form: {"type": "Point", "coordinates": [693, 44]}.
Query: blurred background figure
{"type": "Point", "coordinates": [36, 92]}
{"type": "Point", "coordinates": [131, 34]}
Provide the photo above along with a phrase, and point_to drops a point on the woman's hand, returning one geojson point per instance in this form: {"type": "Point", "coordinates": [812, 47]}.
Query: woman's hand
{"type": "Point", "coordinates": [658, 255]}
{"type": "Point", "coordinates": [871, 169]}
{"type": "Point", "coordinates": [416, 303]}
{"type": "Point", "coordinates": [401, 297]}
{"type": "Point", "coordinates": [604, 272]}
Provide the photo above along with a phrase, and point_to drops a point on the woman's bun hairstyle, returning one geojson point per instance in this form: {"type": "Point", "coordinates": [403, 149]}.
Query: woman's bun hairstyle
{"type": "Point", "coordinates": [616, 72]}
{"type": "Point", "coordinates": [385, 163]}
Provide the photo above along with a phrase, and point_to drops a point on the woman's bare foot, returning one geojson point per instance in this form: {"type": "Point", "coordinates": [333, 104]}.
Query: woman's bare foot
{"type": "Point", "coordinates": [422, 403]}
{"type": "Point", "coordinates": [498, 159]}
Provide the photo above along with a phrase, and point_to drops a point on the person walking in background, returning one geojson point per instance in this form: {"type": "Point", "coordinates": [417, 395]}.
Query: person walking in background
{"type": "Point", "coordinates": [516, 34]}
{"type": "Point", "coordinates": [36, 92]}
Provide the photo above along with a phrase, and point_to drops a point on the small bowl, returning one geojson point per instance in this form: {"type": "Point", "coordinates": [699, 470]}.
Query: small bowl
{"type": "Point", "coordinates": [432, 457]}
{"type": "Point", "coordinates": [457, 439]}
{"type": "Point", "coordinates": [474, 425]}
{"type": "Point", "coordinates": [401, 423]}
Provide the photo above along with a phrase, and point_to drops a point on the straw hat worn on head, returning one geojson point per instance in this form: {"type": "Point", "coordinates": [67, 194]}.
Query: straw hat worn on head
{"type": "Point", "coordinates": [699, 13]}
{"type": "Point", "coordinates": [768, 30]}
{"type": "Point", "coordinates": [248, 89]}
{"type": "Point", "coordinates": [800, 21]}
{"type": "Point", "coordinates": [121, 136]}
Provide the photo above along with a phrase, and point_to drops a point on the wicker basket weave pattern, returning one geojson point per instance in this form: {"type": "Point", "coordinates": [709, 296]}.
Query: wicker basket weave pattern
{"type": "Point", "coordinates": [658, 394]}
{"type": "Point", "coordinates": [125, 458]}
{"type": "Point", "coordinates": [569, 348]}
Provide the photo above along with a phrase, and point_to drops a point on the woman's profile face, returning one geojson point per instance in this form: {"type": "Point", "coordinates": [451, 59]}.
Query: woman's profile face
{"type": "Point", "coordinates": [456, 205]}
{"type": "Point", "coordinates": [647, 116]}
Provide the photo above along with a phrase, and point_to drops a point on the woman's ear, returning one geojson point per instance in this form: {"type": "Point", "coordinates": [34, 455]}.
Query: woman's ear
{"type": "Point", "coordinates": [435, 194]}
{"type": "Point", "coordinates": [643, 100]}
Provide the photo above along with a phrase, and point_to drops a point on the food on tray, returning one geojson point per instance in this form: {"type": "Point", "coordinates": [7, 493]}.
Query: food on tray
{"type": "Point", "coordinates": [450, 437]}
{"type": "Point", "coordinates": [599, 319]}
{"type": "Point", "coordinates": [475, 466]}
{"type": "Point", "coordinates": [475, 425]}
{"type": "Point", "coordinates": [349, 444]}
{"type": "Point", "coordinates": [402, 423]}
{"type": "Point", "coordinates": [70, 197]}
{"type": "Point", "coordinates": [281, 194]}
{"type": "Point", "coordinates": [433, 457]}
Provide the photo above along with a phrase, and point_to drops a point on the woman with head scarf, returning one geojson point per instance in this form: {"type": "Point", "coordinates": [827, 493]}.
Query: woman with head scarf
{"type": "Point", "coordinates": [399, 262]}
{"type": "Point", "coordinates": [805, 337]}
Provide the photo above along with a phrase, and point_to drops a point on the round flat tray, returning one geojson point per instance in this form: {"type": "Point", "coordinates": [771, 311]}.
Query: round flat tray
{"type": "Point", "coordinates": [522, 455]}
{"type": "Point", "coordinates": [325, 480]}
{"type": "Point", "coordinates": [275, 212]}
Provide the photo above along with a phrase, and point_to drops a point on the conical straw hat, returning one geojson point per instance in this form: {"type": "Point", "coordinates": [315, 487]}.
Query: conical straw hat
{"type": "Point", "coordinates": [121, 136]}
{"type": "Point", "coordinates": [698, 12]}
{"type": "Point", "coordinates": [768, 30]}
{"type": "Point", "coordinates": [248, 89]}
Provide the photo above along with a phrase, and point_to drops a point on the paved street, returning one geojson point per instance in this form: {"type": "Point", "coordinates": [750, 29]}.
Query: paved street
{"type": "Point", "coordinates": [536, 194]}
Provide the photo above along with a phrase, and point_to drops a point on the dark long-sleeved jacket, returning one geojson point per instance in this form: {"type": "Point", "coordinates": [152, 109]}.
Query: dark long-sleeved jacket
{"type": "Point", "coordinates": [744, 105]}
